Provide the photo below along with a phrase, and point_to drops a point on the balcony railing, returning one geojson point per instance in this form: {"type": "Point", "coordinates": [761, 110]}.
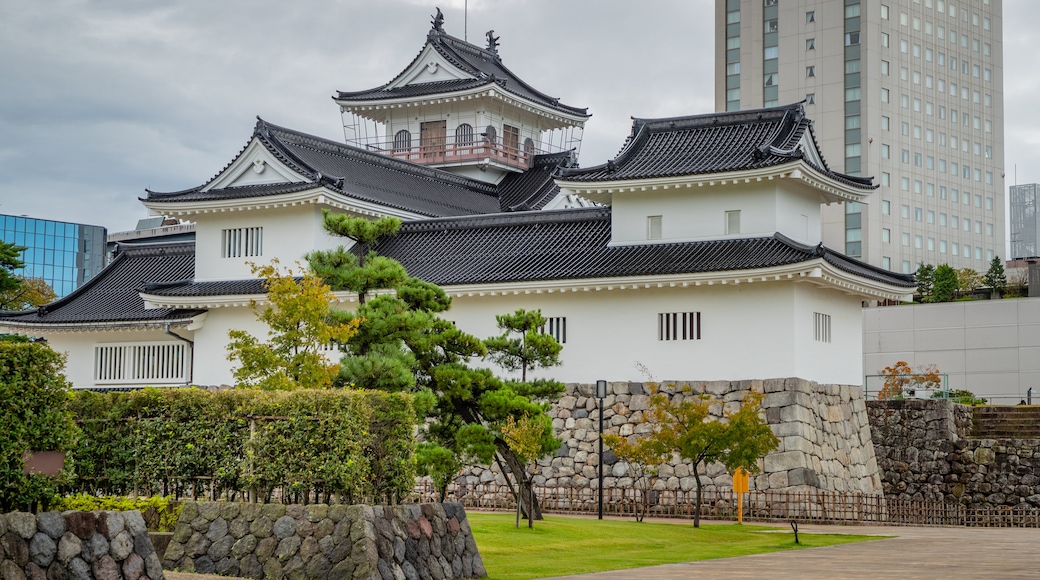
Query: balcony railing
{"type": "Point", "coordinates": [447, 151]}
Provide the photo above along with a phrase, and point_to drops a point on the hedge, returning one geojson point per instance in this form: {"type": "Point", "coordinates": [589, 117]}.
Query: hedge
{"type": "Point", "coordinates": [33, 417]}
{"type": "Point", "coordinates": [329, 445]}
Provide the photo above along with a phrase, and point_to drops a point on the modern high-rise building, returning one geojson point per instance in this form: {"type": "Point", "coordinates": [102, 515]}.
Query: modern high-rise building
{"type": "Point", "coordinates": [909, 92]}
{"type": "Point", "coordinates": [1025, 221]}
{"type": "Point", "coordinates": [63, 254]}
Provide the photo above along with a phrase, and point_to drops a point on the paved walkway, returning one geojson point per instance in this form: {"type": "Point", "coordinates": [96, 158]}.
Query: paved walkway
{"type": "Point", "coordinates": [914, 553]}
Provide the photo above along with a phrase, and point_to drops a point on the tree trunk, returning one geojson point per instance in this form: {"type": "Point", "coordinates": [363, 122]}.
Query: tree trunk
{"type": "Point", "coordinates": [528, 500]}
{"type": "Point", "coordinates": [697, 505]}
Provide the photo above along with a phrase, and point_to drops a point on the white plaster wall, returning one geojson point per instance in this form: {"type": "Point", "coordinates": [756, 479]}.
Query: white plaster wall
{"type": "Point", "coordinates": [289, 233]}
{"type": "Point", "coordinates": [79, 348]}
{"type": "Point", "coordinates": [748, 332]}
{"type": "Point", "coordinates": [698, 213]}
{"type": "Point", "coordinates": [990, 347]}
{"type": "Point", "coordinates": [832, 361]}
{"type": "Point", "coordinates": [211, 364]}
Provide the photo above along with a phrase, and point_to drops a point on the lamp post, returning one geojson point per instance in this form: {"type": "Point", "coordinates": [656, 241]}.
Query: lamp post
{"type": "Point", "coordinates": [601, 393]}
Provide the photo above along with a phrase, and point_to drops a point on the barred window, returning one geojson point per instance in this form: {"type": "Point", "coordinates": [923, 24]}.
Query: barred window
{"type": "Point", "coordinates": [556, 327]}
{"type": "Point", "coordinates": [679, 326]}
{"type": "Point", "coordinates": [141, 363]}
{"type": "Point", "coordinates": [821, 327]}
{"type": "Point", "coordinates": [242, 243]}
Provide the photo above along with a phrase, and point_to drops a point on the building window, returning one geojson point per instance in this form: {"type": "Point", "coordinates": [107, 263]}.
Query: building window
{"type": "Point", "coordinates": [810, 71]}
{"type": "Point", "coordinates": [402, 141]}
{"type": "Point", "coordinates": [810, 16]}
{"type": "Point", "coordinates": [464, 134]}
{"type": "Point", "coordinates": [821, 327]}
{"type": "Point", "coordinates": [810, 44]}
{"type": "Point", "coordinates": [653, 227]}
{"type": "Point", "coordinates": [852, 38]}
{"type": "Point", "coordinates": [679, 326]}
{"type": "Point", "coordinates": [491, 135]}
{"type": "Point", "coordinates": [140, 362]}
{"type": "Point", "coordinates": [242, 243]}
{"type": "Point", "coordinates": [556, 327]}
{"type": "Point", "coordinates": [810, 99]}
{"type": "Point", "coordinates": [733, 222]}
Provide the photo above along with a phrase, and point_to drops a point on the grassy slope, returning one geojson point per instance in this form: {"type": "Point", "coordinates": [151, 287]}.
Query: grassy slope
{"type": "Point", "coordinates": [561, 546]}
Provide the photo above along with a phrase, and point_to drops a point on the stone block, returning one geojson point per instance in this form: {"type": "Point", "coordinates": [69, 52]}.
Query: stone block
{"type": "Point", "coordinates": [785, 461]}
{"type": "Point", "coordinates": [803, 476]}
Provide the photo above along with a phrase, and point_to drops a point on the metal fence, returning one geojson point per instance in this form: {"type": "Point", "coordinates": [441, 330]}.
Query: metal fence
{"type": "Point", "coordinates": [815, 506]}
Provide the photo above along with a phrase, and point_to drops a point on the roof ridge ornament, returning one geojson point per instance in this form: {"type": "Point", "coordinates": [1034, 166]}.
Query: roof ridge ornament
{"type": "Point", "coordinates": [492, 42]}
{"type": "Point", "coordinates": [438, 21]}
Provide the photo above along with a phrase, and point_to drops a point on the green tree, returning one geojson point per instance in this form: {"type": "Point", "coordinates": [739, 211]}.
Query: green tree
{"type": "Point", "coordinates": [524, 438]}
{"type": "Point", "coordinates": [10, 260]}
{"type": "Point", "coordinates": [301, 324]}
{"type": "Point", "coordinates": [30, 293]}
{"type": "Point", "coordinates": [944, 285]}
{"type": "Point", "coordinates": [403, 345]}
{"type": "Point", "coordinates": [522, 346]}
{"type": "Point", "coordinates": [687, 427]}
{"type": "Point", "coordinates": [35, 417]}
{"type": "Point", "coordinates": [925, 277]}
{"type": "Point", "coordinates": [968, 279]}
{"type": "Point", "coordinates": [995, 278]}
{"type": "Point", "coordinates": [644, 455]}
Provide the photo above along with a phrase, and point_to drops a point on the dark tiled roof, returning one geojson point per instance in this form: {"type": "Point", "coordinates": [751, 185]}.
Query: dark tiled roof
{"type": "Point", "coordinates": [712, 143]}
{"type": "Point", "coordinates": [535, 187]}
{"type": "Point", "coordinates": [209, 288]}
{"type": "Point", "coordinates": [355, 173]}
{"type": "Point", "coordinates": [573, 244]}
{"type": "Point", "coordinates": [484, 65]}
{"type": "Point", "coordinates": [112, 295]}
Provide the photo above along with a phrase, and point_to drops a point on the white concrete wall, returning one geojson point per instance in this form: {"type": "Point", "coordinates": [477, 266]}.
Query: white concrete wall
{"type": "Point", "coordinates": [79, 347]}
{"type": "Point", "coordinates": [698, 213]}
{"type": "Point", "coordinates": [990, 347]}
{"type": "Point", "coordinates": [751, 331]}
{"type": "Point", "coordinates": [289, 233]}
{"type": "Point", "coordinates": [211, 364]}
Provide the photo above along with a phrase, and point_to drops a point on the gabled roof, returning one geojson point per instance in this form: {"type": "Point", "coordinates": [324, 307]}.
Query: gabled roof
{"type": "Point", "coordinates": [352, 172]}
{"type": "Point", "coordinates": [713, 143]}
{"type": "Point", "coordinates": [112, 295]}
{"type": "Point", "coordinates": [575, 244]}
{"type": "Point", "coordinates": [483, 67]}
{"type": "Point", "coordinates": [378, 179]}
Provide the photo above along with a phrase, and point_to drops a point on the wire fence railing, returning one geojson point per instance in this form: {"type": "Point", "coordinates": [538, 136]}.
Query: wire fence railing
{"type": "Point", "coordinates": [814, 506]}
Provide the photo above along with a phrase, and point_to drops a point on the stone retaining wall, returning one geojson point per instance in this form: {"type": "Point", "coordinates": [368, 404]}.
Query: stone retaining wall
{"type": "Point", "coordinates": [249, 540]}
{"type": "Point", "coordinates": [924, 452]}
{"type": "Point", "coordinates": [77, 546]}
{"type": "Point", "coordinates": [825, 438]}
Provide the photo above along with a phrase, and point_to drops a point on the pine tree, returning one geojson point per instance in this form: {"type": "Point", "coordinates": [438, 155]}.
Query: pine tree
{"type": "Point", "coordinates": [995, 278]}
{"type": "Point", "coordinates": [925, 278]}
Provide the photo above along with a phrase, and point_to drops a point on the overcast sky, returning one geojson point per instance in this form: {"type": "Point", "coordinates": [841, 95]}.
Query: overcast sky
{"type": "Point", "coordinates": [102, 99]}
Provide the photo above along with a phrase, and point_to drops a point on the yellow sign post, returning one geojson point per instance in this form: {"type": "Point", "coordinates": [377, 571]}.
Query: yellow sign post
{"type": "Point", "coordinates": [740, 487]}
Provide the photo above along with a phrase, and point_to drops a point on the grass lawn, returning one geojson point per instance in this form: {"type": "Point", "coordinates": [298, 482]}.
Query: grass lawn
{"type": "Point", "coordinates": [559, 546]}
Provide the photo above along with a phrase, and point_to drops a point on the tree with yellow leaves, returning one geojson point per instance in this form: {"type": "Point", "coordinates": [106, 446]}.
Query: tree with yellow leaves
{"type": "Point", "coordinates": [301, 324]}
{"type": "Point", "coordinates": [524, 438]}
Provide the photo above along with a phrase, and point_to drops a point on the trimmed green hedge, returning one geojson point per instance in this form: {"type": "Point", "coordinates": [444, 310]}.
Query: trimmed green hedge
{"type": "Point", "coordinates": [33, 417]}
{"type": "Point", "coordinates": [357, 445]}
{"type": "Point", "coordinates": [160, 513]}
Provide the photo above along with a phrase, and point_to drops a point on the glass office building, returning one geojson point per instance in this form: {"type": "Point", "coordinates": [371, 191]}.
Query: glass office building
{"type": "Point", "coordinates": [63, 254]}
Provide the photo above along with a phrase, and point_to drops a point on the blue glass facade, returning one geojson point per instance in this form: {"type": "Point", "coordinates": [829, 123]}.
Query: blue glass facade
{"type": "Point", "coordinates": [64, 254]}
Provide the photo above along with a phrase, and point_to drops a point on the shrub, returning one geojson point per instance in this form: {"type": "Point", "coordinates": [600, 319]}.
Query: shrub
{"type": "Point", "coordinates": [34, 417]}
{"type": "Point", "coordinates": [962, 396]}
{"type": "Point", "coordinates": [355, 444]}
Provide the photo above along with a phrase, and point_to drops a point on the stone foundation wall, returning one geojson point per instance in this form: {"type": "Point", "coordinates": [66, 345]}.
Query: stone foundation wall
{"type": "Point", "coordinates": [825, 438]}
{"type": "Point", "coordinates": [924, 452]}
{"type": "Point", "coordinates": [77, 546]}
{"type": "Point", "coordinates": [249, 540]}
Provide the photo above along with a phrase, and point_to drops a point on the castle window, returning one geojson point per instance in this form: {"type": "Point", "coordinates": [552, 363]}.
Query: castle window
{"type": "Point", "coordinates": [490, 135]}
{"type": "Point", "coordinates": [402, 141]}
{"type": "Point", "coordinates": [733, 222]}
{"type": "Point", "coordinates": [464, 134]}
{"type": "Point", "coordinates": [679, 326]}
{"type": "Point", "coordinates": [653, 227]}
{"type": "Point", "coordinates": [821, 327]}
{"type": "Point", "coordinates": [556, 327]}
{"type": "Point", "coordinates": [242, 243]}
